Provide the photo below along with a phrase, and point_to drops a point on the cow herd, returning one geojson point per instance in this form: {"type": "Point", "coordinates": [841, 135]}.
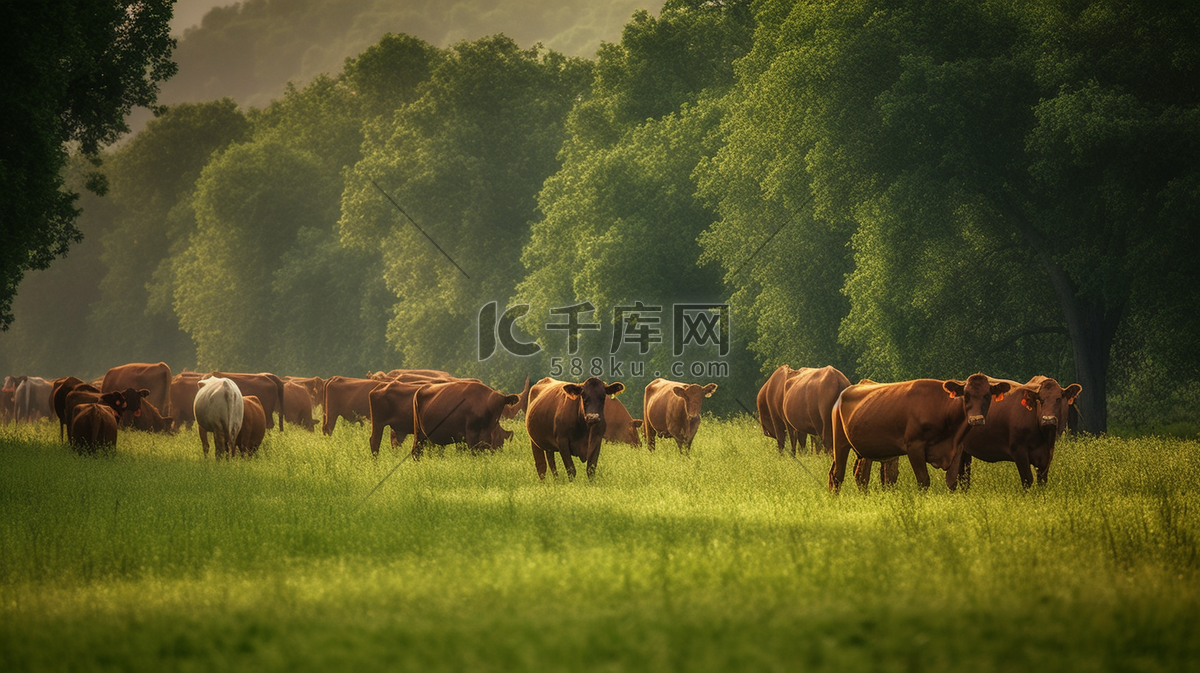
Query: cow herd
{"type": "Point", "coordinates": [946, 424]}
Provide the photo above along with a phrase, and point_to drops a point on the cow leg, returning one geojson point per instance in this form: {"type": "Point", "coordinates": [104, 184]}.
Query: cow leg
{"type": "Point", "coordinates": [862, 473]}
{"type": "Point", "coordinates": [568, 462]}
{"type": "Point", "coordinates": [1043, 473]}
{"type": "Point", "coordinates": [964, 472]}
{"type": "Point", "coordinates": [916, 458]}
{"type": "Point", "coordinates": [1021, 458]}
{"type": "Point", "coordinates": [841, 452]}
{"type": "Point", "coordinates": [889, 472]}
{"type": "Point", "coordinates": [592, 462]}
{"type": "Point", "coordinates": [204, 439]}
{"type": "Point", "coordinates": [328, 423]}
{"type": "Point", "coordinates": [539, 460]}
{"type": "Point", "coordinates": [376, 437]}
{"type": "Point", "coordinates": [651, 434]}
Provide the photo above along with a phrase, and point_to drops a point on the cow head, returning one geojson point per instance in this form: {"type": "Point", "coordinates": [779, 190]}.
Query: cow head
{"type": "Point", "coordinates": [1050, 403]}
{"type": "Point", "coordinates": [133, 405]}
{"type": "Point", "coordinates": [591, 395]}
{"type": "Point", "coordinates": [977, 394]}
{"type": "Point", "coordinates": [114, 400]}
{"type": "Point", "coordinates": [633, 436]}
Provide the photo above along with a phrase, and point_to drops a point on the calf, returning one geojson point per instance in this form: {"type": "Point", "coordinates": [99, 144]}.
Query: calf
{"type": "Point", "coordinates": [914, 418]}
{"type": "Point", "coordinates": [808, 402]}
{"type": "Point", "coordinates": [93, 426]}
{"type": "Point", "coordinates": [150, 420]}
{"type": "Point", "coordinates": [254, 426]}
{"type": "Point", "coordinates": [219, 409]}
{"type": "Point", "coordinates": [567, 418]}
{"type": "Point", "coordinates": [1022, 429]}
{"type": "Point", "coordinates": [672, 409]}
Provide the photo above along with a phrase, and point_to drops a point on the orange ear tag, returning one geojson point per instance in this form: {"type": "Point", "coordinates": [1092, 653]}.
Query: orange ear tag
{"type": "Point", "coordinates": [953, 394]}
{"type": "Point", "coordinates": [998, 397]}
{"type": "Point", "coordinates": [1025, 403]}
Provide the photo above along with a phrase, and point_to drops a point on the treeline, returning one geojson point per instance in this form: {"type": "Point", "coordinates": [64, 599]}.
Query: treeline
{"type": "Point", "coordinates": [898, 189]}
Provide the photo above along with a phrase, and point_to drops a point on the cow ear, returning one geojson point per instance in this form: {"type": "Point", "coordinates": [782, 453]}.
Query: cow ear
{"type": "Point", "coordinates": [510, 400]}
{"type": "Point", "coordinates": [1072, 392]}
{"type": "Point", "coordinates": [637, 423]}
{"type": "Point", "coordinates": [572, 390]}
{"type": "Point", "coordinates": [710, 389]}
{"type": "Point", "coordinates": [144, 393]}
{"type": "Point", "coordinates": [679, 392]}
{"type": "Point", "coordinates": [1029, 398]}
{"type": "Point", "coordinates": [614, 388]}
{"type": "Point", "coordinates": [955, 388]}
{"type": "Point", "coordinates": [999, 389]}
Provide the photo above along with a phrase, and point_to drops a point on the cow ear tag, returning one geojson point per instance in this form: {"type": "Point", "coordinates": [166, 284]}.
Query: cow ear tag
{"type": "Point", "coordinates": [953, 394]}
{"type": "Point", "coordinates": [998, 396]}
{"type": "Point", "coordinates": [1025, 403]}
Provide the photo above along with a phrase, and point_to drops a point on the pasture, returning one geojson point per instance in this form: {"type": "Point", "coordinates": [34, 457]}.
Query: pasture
{"type": "Point", "coordinates": [153, 558]}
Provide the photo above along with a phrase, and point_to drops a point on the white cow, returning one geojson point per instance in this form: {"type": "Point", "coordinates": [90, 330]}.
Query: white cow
{"type": "Point", "coordinates": [219, 410]}
{"type": "Point", "coordinates": [31, 400]}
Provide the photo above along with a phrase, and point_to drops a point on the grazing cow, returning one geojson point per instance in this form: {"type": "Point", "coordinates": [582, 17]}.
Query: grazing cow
{"type": "Point", "coordinates": [184, 387]}
{"type": "Point", "coordinates": [31, 399]}
{"type": "Point", "coordinates": [298, 406]}
{"type": "Point", "coordinates": [672, 409]}
{"type": "Point", "coordinates": [150, 420]}
{"type": "Point", "coordinates": [808, 405]}
{"type": "Point", "coordinates": [58, 400]}
{"type": "Point", "coordinates": [913, 418]}
{"type": "Point", "coordinates": [619, 425]}
{"type": "Point", "coordinates": [219, 410]}
{"type": "Point", "coordinates": [1022, 429]}
{"type": "Point", "coordinates": [567, 418]}
{"type": "Point", "coordinates": [391, 406]}
{"type": "Point", "coordinates": [254, 426]}
{"type": "Point", "coordinates": [460, 411]}
{"type": "Point", "coordinates": [267, 387]}
{"type": "Point", "coordinates": [7, 399]}
{"type": "Point", "coordinates": [313, 385]}
{"type": "Point", "coordinates": [347, 398]}
{"type": "Point", "coordinates": [93, 425]}
{"type": "Point", "coordinates": [85, 393]}
{"type": "Point", "coordinates": [511, 411]}
{"type": "Point", "coordinates": [155, 378]}
{"type": "Point", "coordinates": [770, 406]}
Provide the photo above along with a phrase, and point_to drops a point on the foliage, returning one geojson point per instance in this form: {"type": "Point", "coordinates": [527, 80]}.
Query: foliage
{"type": "Point", "coordinates": [73, 71]}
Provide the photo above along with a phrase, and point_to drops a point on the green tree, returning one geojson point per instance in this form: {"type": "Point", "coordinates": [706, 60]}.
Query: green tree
{"type": "Point", "coordinates": [73, 71]}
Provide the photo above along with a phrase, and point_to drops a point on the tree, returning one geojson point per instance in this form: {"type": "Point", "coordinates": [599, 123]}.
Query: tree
{"type": "Point", "coordinates": [73, 71]}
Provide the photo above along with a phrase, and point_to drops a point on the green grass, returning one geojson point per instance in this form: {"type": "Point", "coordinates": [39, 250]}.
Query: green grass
{"type": "Point", "coordinates": [153, 558]}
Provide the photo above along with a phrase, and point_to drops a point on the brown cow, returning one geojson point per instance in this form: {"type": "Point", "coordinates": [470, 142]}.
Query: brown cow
{"type": "Point", "coordinates": [267, 387]}
{"type": "Point", "coordinates": [770, 406]}
{"type": "Point", "coordinates": [184, 387]}
{"type": "Point", "coordinates": [8, 400]}
{"type": "Point", "coordinates": [58, 400]}
{"type": "Point", "coordinates": [347, 398]}
{"type": "Point", "coordinates": [298, 405]}
{"type": "Point", "coordinates": [460, 412]}
{"type": "Point", "coordinates": [85, 393]}
{"type": "Point", "coordinates": [808, 405]}
{"type": "Point", "coordinates": [150, 420]}
{"type": "Point", "coordinates": [391, 406]}
{"type": "Point", "coordinates": [254, 427]}
{"type": "Point", "coordinates": [156, 378]}
{"type": "Point", "coordinates": [93, 426]}
{"type": "Point", "coordinates": [913, 418]}
{"type": "Point", "coordinates": [567, 418]}
{"type": "Point", "coordinates": [672, 409]}
{"type": "Point", "coordinates": [31, 399]}
{"type": "Point", "coordinates": [619, 425]}
{"type": "Point", "coordinates": [1022, 429]}
{"type": "Point", "coordinates": [314, 385]}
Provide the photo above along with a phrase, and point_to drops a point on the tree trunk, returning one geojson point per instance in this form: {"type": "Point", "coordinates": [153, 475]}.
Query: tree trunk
{"type": "Point", "coordinates": [1091, 343]}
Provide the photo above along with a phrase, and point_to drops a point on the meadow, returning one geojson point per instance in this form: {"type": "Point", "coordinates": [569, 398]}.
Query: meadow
{"type": "Point", "coordinates": [154, 558]}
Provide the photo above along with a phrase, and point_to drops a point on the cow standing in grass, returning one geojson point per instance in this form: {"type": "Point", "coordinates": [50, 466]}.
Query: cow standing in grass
{"type": "Point", "coordinates": [219, 409]}
{"type": "Point", "coordinates": [672, 409]}
{"type": "Point", "coordinates": [567, 418]}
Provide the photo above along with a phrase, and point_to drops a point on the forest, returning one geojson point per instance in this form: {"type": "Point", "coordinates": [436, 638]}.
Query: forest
{"type": "Point", "coordinates": [899, 189]}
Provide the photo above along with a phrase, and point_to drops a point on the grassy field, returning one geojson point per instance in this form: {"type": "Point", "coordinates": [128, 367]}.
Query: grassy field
{"type": "Point", "coordinates": [734, 559]}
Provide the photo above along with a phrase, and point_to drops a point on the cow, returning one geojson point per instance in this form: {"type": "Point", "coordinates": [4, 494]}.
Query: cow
{"type": "Point", "coordinates": [770, 406]}
{"type": "Point", "coordinates": [672, 409]}
{"type": "Point", "coordinates": [267, 387]}
{"type": "Point", "coordinates": [808, 399]}
{"type": "Point", "coordinates": [31, 399]}
{"type": "Point", "coordinates": [219, 409]}
{"type": "Point", "coordinates": [298, 406]}
{"type": "Point", "coordinates": [85, 393]}
{"type": "Point", "coordinates": [914, 418]}
{"type": "Point", "coordinates": [184, 387]}
{"type": "Point", "coordinates": [254, 426]}
{"type": "Point", "coordinates": [150, 420]}
{"type": "Point", "coordinates": [155, 378]}
{"type": "Point", "coordinates": [314, 385]}
{"type": "Point", "coordinates": [460, 411]}
{"type": "Point", "coordinates": [619, 425]}
{"type": "Point", "coordinates": [347, 398]}
{"type": "Point", "coordinates": [567, 418]}
{"type": "Point", "coordinates": [1022, 429]}
{"type": "Point", "coordinates": [93, 426]}
{"type": "Point", "coordinates": [7, 399]}
{"type": "Point", "coordinates": [58, 400]}
{"type": "Point", "coordinates": [511, 411]}
{"type": "Point", "coordinates": [391, 406]}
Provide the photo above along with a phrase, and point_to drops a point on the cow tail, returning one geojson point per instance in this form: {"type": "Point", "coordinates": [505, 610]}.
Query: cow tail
{"type": "Point", "coordinates": [95, 430]}
{"type": "Point", "coordinates": [417, 429]}
{"type": "Point", "coordinates": [279, 387]}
